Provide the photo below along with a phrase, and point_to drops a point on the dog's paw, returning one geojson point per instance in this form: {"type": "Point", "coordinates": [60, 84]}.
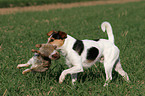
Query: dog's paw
{"type": "Point", "coordinates": [60, 82]}
{"type": "Point", "coordinates": [18, 67]}
{"type": "Point", "coordinates": [61, 78]}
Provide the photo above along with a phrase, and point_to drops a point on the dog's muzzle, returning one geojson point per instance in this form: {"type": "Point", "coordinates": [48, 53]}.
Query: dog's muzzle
{"type": "Point", "coordinates": [55, 56]}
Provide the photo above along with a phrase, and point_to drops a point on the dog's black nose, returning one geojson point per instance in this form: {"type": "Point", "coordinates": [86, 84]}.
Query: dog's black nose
{"type": "Point", "coordinates": [56, 56]}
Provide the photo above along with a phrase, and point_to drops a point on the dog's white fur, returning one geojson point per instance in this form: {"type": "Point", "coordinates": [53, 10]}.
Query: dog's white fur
{"type": "Point", "coordinates": [106, 48]}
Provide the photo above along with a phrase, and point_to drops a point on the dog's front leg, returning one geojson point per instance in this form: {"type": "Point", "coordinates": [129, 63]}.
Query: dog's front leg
{"type": "Point", "coordinates": [73, 76]}
{"type": "Point", "coordinates": [73, 70]}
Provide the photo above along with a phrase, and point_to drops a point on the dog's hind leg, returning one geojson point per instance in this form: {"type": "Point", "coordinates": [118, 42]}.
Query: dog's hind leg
{"type": "Point", "coordinates": [119, 69]}
{"type": "Point", "coordinates": [109, 61]}
{"type": "Point", "coordinates": [108, 70]}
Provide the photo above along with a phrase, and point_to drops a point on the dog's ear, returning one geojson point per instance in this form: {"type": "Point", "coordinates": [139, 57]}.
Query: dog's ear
{"type": "Point", "coordinates": [51, 32]}
{"type": "Point", "coordinates": [62, 34]}
{"type": "Point", "coordinates": [38, 45]}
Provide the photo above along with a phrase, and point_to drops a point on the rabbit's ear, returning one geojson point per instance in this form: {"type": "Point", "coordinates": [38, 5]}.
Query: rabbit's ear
{"type": "Point", "coordinates": [37, 51]}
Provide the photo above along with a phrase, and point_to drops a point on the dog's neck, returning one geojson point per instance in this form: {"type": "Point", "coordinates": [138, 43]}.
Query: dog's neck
{"type": "Point", "coordinates": [68, 44]}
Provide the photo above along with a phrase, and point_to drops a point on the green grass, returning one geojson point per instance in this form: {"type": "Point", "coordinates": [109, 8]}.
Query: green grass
{"type": "Point", "coordinates": [21, 3]}
{"type": "Point", "coordinates": [21, 31]}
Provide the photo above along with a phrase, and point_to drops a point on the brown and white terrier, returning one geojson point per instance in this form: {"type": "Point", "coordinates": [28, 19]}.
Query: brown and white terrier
{"type": "Point", "coordinates": [82, 54]}
{"type": "Point", "coordinates": [41, 61]}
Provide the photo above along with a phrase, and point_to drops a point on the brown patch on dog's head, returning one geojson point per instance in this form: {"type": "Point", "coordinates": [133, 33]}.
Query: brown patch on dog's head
{"type": "Point", "coordinates": [57, 34]}
{"type": "Point", "coordinates": [56, 38]}
{"type": "Point", "coordinates": [63, 35]}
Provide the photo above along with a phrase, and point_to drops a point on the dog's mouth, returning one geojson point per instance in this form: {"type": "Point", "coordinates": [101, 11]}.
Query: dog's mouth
{"type": "Point", "coordinates": [55, 56]}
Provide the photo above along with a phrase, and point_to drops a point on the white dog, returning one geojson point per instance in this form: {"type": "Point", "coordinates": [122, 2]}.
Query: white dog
{"type": "Point", "coordinates": [84, 53]}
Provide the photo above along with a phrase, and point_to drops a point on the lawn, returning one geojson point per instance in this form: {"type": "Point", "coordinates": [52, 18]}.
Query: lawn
{"type": "Point", "coordinates": [21, 31]}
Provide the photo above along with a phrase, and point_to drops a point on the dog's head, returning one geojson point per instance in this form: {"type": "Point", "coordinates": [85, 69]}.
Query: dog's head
{"type": "Point", "coordinates": [47, 51]}
{"type": "Point", "coordinates": [56, 38]}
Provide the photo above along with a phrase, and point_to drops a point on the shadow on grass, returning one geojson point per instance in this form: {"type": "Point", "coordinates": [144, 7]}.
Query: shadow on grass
{"type": "Point", "coordinates": [90, 74]}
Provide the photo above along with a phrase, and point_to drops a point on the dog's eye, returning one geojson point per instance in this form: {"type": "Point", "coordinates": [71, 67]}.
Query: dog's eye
{"type": "Point", "coordinates": [51, 40]}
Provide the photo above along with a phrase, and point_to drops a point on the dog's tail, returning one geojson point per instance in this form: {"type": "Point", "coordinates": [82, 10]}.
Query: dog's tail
{"type": "Point", "coordinates": [107, 26]}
